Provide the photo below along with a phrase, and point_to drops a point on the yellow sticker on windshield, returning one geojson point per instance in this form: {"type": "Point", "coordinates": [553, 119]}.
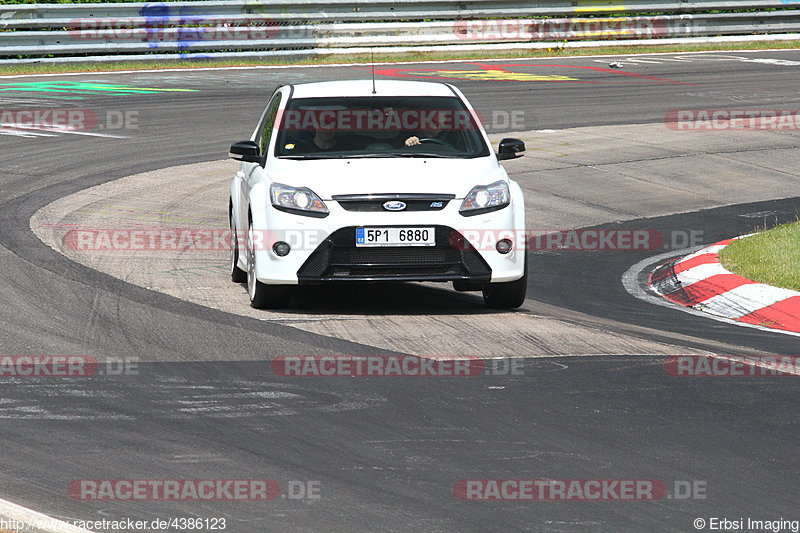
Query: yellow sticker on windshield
{"type": "Point", "coordinates": [289, 147]}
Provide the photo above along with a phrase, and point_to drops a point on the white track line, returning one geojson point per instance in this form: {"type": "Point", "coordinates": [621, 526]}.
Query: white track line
{"type": "Point", "coordinates": [366, 64]}
{"type": "Point", "coordinates": [87, 133]}
{"type": "Point", "coordinates": [22, 133]}
{"type": "Point", "coordinates": [33, 130]}
{"type": "Point", "coordinates": [35, 519]}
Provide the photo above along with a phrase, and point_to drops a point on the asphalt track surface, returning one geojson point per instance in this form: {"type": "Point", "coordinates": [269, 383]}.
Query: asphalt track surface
{"type": "Point", "coordinates": [387, 452]}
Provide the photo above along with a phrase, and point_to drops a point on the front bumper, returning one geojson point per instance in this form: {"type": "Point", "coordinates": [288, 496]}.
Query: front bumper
{"type": "Point", "coordinates": [338, 259]}
{"type": "Point", "coordinates": [323, 249]}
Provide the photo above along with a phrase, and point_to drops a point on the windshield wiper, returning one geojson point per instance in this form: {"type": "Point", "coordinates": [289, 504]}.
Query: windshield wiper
{"type": "Point", "coordinates": [399, 154]}
{"type": "Point", "coordinates": [365, 156]}
{"type": "Point", "coordinates": [420, 154]}
{"type": "Point", "coordinates": [310, 156]}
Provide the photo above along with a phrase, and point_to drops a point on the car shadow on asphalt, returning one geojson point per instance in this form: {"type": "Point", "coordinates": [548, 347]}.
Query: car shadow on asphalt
{"type": "Point", "coordinates": [388, 299]}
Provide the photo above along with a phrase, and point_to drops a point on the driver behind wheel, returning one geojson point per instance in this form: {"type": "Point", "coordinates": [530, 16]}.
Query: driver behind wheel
{"type": "Point", "coordinates": [437, 136]}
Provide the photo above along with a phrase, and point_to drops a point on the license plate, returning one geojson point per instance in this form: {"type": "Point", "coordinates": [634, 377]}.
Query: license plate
{"type": "Point", "coordinates": [395, 237]}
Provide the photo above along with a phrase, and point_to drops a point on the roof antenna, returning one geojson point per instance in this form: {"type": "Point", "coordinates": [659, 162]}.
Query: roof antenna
{"type": "Point", "coordinates": [372, 60]}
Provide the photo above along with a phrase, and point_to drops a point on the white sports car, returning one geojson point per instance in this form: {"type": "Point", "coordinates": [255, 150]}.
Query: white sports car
{"type": "Point", "coordinates": [364, 181]}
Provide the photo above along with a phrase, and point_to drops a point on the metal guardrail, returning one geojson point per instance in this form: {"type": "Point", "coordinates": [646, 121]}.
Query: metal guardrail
{"type": "Point", "coordinates": [48, 15]}
{"type": "Point", "coordinates": [74, 30]}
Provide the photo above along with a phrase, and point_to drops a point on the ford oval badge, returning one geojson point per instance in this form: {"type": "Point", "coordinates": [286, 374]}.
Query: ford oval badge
{"type": "Point", "coordinates": [394, 205]}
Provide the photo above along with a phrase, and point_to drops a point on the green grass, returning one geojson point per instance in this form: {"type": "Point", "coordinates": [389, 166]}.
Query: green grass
{"type": "Point", "coordinates": [771, 257]}
{"type": "Point", "coordinates": [409, 56]}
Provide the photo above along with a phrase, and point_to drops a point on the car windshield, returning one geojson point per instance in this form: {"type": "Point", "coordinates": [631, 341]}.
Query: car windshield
{"type": "Point", "coordinates": [378, 126]}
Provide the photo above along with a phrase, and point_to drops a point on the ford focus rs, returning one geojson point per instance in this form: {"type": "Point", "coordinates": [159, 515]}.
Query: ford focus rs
{"type": "Point", "coordinates": [362, 181]}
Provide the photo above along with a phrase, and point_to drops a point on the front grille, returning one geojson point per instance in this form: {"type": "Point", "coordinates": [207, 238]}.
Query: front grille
{"type": "Point", "coordinates": [337, 258]}
{"type": "Point", "coordinates": [393, 271]}
{"type": "Point", "coordinates": [411, 254]}
{"type": "Point", "coordinates": [375, 206]}
{"type": "Point", "coordinates": [374, 203]}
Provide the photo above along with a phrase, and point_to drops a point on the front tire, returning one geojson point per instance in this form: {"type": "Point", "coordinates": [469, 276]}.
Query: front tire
{"type": "Point", "coordinates": [262, 296]}
{"type": "Point", "coordinates": [237, 274]}
{"type": "Point", "coordinates": [509, 294]}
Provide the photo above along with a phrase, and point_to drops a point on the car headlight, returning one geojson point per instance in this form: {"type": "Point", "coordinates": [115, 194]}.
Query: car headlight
{"type": "Point", "coordinates": [299, 200]}
{"type": "Point", "coordinates": [485, 198]}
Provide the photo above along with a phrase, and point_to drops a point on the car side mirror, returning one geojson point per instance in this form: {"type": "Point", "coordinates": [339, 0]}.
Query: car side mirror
{"type": "Point", "coordinates": [246, 151]}
{"type": "Point", "coordinates": [510, 149]}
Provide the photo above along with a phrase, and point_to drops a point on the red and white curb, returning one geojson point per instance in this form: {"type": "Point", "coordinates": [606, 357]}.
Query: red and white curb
{"type": "Point", "coordinates": [699, 281]}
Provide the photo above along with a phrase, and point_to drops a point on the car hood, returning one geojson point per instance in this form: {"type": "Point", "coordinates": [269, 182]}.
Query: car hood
{"type": "Point", "coordinates": [329, 177]}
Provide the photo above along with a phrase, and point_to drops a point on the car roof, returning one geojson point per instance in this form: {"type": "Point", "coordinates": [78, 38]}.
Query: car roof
{"type": "Point", "coordinates": [364, 88]}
